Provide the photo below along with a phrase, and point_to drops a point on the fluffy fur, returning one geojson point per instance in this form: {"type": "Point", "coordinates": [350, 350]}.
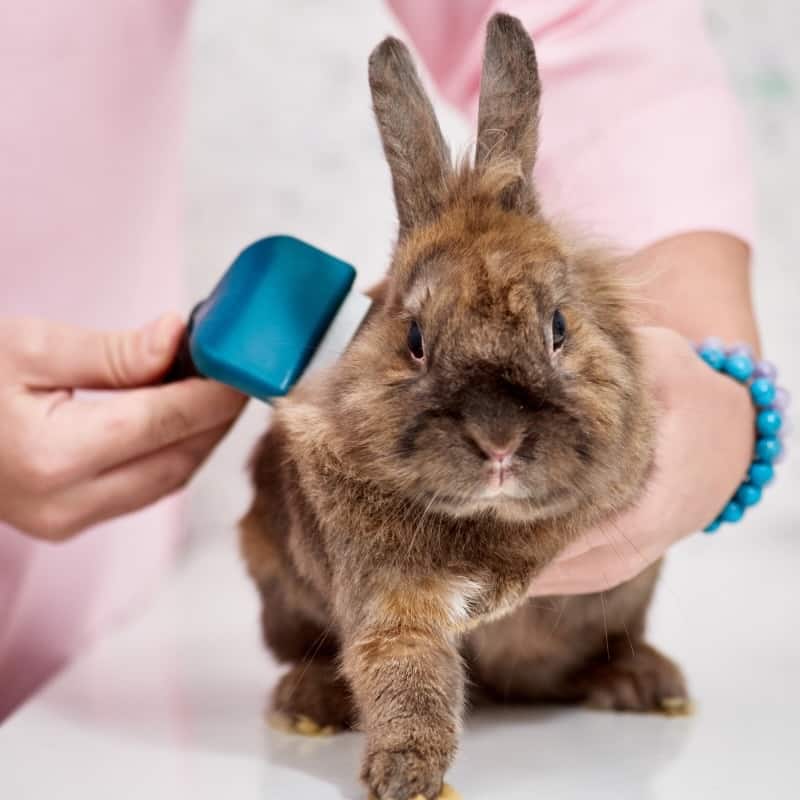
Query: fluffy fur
{"type": "Point", "coordinates": [392, 560]}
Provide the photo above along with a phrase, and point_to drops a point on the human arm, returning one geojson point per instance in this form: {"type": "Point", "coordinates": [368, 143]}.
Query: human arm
{"type": "Point", "coordinates": [705, 420]}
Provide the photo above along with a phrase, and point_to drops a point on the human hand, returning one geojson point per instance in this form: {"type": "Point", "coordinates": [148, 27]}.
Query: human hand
{"type": "Point", "coordinates": [704, 445]}
{"type": "Point", "coordinates": [67, 462]}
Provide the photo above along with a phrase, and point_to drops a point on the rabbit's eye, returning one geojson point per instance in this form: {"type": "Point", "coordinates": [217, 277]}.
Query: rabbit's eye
{"type": "Point", "coordinates": [415, 344]}
{"type": "Point", "coordinates": [559, 329]}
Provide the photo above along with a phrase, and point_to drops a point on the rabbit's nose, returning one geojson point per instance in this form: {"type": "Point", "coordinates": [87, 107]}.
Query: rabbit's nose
{"type": "Point", "coordinates": [499, 453]}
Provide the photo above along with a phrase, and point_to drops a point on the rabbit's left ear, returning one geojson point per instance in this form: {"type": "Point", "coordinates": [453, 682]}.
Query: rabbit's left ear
{"type": "Point", "coordinates": [415, 149]}
{"type": "Point", "coordinates": [508, 111]}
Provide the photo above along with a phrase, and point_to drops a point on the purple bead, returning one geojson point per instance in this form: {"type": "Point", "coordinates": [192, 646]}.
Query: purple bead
{"type": "Point", "coordinates": [782, 399]}
{"type": "Point", "coordinates": [765, 369]}
{"type": "Point", "coordinates": [787, 428]}
{"type": "Point", "coordinates": [741, 350]}
{"type": "Point", "coordinates": [782, 455]}
{"type": "Point", "coordinates": [712, 343]}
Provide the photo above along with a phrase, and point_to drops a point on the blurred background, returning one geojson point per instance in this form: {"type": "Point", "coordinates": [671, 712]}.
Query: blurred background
{"type": "Point", "coordinates": [281, 140]}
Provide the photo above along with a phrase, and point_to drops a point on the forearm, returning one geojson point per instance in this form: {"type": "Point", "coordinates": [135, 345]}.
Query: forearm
{"type": "Point", "coordinates": [698, 284]}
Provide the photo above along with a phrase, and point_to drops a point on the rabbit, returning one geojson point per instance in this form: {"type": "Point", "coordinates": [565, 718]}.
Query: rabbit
{"type": "Point", "coordinates": [491, 408]}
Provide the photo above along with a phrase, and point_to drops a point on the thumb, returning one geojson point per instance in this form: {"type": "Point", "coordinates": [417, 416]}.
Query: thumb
{"type": "Point", "coordinates": [53, 355]}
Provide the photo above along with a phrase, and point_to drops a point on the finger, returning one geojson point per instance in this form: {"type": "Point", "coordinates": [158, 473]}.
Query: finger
{"type": "Point", "coordinates": [629, 531]}
{"type": "Point", "coordinates": [91, 436]}
{"type": "Point", "coordinates": [596, 570]}
{"type": "Point", "coordinates": [610, 533]}
{"type": "Point", "coordinates": [125, 489]}
{"type": "Point", "coordinates": [569, 583]}
{"type": "Point", "coordinates": [51, 355]}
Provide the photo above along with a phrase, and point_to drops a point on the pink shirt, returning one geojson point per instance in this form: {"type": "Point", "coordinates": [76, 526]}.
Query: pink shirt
{"type": "Point", "coordinates": [641, 139]}
{"type": "Point", "coordinates": [90, 134]}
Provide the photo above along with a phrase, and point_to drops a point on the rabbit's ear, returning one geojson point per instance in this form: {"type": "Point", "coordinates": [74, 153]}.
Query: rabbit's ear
{"type": "Point", "coordinates": [417, 154]}
{"type": "Point", "coordinates": [508, 111]}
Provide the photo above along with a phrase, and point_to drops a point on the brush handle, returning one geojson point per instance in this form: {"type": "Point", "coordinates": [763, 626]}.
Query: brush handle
{"type": "Point", "coordinates": [183, 366]}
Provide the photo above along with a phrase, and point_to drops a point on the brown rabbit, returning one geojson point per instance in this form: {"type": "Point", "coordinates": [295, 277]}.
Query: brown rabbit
{"type": "Point", "coordinates": [488, 411]}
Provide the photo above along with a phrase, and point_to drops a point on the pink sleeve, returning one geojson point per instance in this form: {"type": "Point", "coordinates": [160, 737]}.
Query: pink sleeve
{"type": "Point", "coordinates": [90, 233]}
{"type": "Point", "coordinates": [641, 137]}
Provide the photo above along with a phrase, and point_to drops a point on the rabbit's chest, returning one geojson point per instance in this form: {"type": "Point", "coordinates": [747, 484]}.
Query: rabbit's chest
{"type": "Point", "coordinates": [452, 600]}
{"type": "Point", "coordinates": [462, 576]}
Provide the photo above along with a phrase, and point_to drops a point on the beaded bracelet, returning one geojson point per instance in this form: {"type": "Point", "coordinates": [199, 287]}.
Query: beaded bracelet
{"type": "Point", "coordinates": [771, 402]}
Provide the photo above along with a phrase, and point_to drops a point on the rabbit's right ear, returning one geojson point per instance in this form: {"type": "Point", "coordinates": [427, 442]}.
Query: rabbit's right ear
{"type": "Point", "coordinates": [415, 149]}
{"type": "Point", "coordinates": [508, 111]}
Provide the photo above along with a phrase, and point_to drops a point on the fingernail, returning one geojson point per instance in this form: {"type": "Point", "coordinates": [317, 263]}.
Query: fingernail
{"type": "Point", "coordinates": [161, 335]}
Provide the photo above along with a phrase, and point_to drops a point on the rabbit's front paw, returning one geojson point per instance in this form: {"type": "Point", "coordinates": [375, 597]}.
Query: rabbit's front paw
{"type": "Point", "coordinates": [404, 775]}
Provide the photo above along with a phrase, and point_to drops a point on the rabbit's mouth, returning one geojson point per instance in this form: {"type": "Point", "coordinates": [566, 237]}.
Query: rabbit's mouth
{"type": "Point", "coordinates": [511, 499]}
{"type": "Point", "coordinates": [499, 489]}
{"type": "Point", "coordinates": [505, 495]}
{"type": "Point", "coordinates": [501, 482]}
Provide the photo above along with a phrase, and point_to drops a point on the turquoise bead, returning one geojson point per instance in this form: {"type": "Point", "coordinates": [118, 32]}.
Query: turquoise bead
{"type": "Point", "coordinates": [738, 366]}
{"type": "Point", "coordinates": [768, 448]}
{"type": "Point", "coordinates": [762, 390]}
{"type": "Point", "coordinates": [760, 473]}
{"type": "Point", "coordinates": [713, 356]}
{"type": "Point", "coordinates": [732, 512]}
{"type": "Point", "coordinates": [748, 494]}
{"type": "Point", "coordinates": [713, 526]}
{"type": "Point", "coordinates": [769, 421]}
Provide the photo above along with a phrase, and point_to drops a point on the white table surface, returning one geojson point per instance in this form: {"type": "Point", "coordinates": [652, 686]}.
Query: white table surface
{"type": "Point", "coordinates": [171, 705]}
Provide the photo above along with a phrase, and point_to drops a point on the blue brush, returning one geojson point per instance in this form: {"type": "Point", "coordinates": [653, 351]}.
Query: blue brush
{"type": "Point", "coordinates": [283, 308]}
